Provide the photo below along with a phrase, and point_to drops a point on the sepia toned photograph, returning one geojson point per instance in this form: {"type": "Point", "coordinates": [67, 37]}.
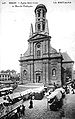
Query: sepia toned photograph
{"type": "Point", "coordinates": [37, 59]}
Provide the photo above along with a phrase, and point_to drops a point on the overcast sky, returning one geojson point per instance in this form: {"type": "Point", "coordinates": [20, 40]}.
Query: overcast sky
{"type": "Point", "coordinates": [15, 28]}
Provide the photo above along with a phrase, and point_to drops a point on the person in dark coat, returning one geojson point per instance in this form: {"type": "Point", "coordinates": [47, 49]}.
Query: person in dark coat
{"type": "Point", "coordinates": [55, 86]}
{"type": "Point", "coordinates": [23, 109]}
{"type": "Point", "coordinates": [18, 111]}
{"type": "Point", "coordinates": [31, 103]}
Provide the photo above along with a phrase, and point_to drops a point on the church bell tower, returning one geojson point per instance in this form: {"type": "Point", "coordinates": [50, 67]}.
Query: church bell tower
{"type": "Point", "coordinates": [41, 24]}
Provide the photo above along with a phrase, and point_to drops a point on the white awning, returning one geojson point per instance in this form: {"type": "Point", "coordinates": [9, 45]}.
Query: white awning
{"type": "Point", "coordinates": [60, 89]}
{"type": "Point", "coordinates": [55, 93]}
{"type": "Point", "coordinates": [14, 95]}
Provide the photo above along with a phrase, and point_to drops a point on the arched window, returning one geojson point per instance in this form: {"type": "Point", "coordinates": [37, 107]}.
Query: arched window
{"type": "Point", "coordinates": [38, 26]}
{"type": "Point", "coordinates": [39, 13]}
{"type": "Point", "coordinates": [43, 26]}
{"type": "Point", "coordinates": [43, 13]}
{"type": "Point", "coordinates": [54, 72]}
{"type": "Point", "coordinates": [38, 45]}
{"type": "Point", "coordinates": [24, 73]}
{"type": "Point", "coordinates": [38, 49]}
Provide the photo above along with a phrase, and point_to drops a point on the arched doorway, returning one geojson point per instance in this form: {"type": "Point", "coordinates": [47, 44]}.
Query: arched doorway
{"type": "Point", "coordinates": [38, 78]}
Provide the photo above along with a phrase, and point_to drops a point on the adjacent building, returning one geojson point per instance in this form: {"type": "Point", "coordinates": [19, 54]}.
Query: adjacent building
{"type": "Point", "coordinates": [9, 78]}
{"type": "Point", "coordinates": [4, 76]}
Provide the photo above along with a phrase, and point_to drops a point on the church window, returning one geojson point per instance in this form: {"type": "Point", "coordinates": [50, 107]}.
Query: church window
{"type": "Point", "coordinates": [43, 13]}
{"type": "Point", "coordinates": [45, 46]}
{"type": "Point", "coordinates": [53, 72]}
{"type": "Point", "coordinates": [39, 13]}
{"type": "Point", "coordinates": [38, 45]}
{"type": "Point", "coordinates": [24, 73]}
{"type": "Point", "coordinates": [38, 26]}
{"type": "Point", "coordinates": [38, 53]}
{"type": "Point", "coordinates": [38, 49]}
{"type": "Point", "coordinates": [43, 27]}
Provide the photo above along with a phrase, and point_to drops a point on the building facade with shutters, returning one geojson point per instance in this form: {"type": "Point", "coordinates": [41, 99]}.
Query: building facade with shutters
{"type": "Point", "coordinates": [41, 63]}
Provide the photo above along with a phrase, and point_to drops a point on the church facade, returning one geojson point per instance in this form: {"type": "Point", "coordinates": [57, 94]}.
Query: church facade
{"type": "Point", "coordinates": [41, 63]}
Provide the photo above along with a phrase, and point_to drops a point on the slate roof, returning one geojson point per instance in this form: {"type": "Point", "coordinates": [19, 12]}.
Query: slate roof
{"type": "Point", "coordinates": [52, 50]}
{"type": "Point", "coordinates": [66, 57]}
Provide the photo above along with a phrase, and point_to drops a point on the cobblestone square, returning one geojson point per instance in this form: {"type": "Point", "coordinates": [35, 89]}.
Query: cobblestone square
{"type": "Point", "coordinates": [40, 110]}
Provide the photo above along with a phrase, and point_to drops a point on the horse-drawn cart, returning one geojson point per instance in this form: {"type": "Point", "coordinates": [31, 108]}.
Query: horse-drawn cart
{"type": "Point", "coordinates": [55, 100]}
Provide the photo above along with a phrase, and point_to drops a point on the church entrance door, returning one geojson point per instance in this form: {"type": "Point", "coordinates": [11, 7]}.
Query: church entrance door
{"type": "Point", "coordinates": [38, 78]}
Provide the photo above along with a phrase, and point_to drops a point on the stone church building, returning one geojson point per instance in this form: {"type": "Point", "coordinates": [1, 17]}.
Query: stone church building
{"type": "Point", "coordinates": [41, 63]}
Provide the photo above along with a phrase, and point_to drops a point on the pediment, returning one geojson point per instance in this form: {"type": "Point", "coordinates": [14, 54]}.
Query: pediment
{"type": "Point", "coordinates": [38, 36]}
